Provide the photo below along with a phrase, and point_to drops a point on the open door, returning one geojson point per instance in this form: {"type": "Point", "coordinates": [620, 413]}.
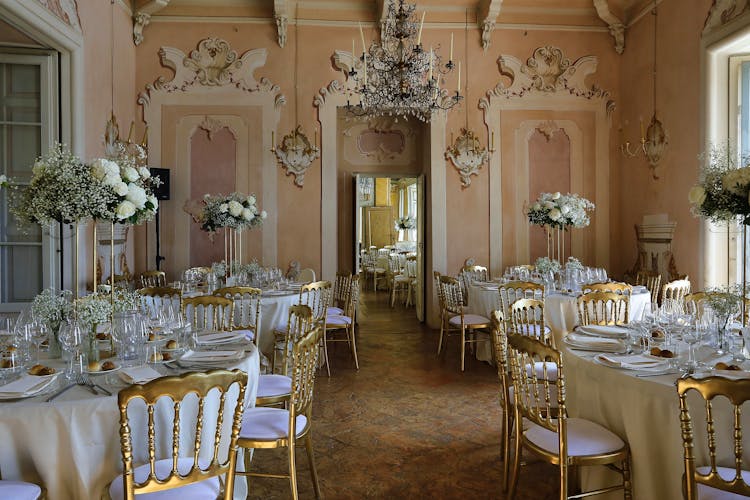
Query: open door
{"type": "Point", "coordinates": [419, 302]}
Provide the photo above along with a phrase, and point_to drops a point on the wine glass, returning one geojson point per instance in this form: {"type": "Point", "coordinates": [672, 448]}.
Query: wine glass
{"type": "Point", "coordinates": [39, 333]}
{"type": "Point", "coordinates": [691, 336]}
{"type": "Point", "coordinates": [70, 338]}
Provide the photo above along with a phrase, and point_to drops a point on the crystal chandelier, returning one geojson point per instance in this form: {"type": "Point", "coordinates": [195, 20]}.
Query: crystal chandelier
{"type": "Point", "coordinates": [397, 77]}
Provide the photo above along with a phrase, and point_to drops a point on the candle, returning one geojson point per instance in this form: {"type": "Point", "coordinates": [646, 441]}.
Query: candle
{"type": "Point", "coordinates": [430, 63]}
{"type": "Point", "coordinates": [421, 25]}
{"type": "Point", "coordinates": [451, 56]}
{"type": "Point", "coordinates": [362, 35]}
{"type": "Point", "coordinates": [273, 140]}
{"type": "Point", "coordinates": [492, 140]}
{"type": "Point", "coordinates": [365, 69]}
{"type": "Point", "coordinates": [353, 48]}
{"type": "Point", "coordinates": [459, 77]}
{"type": "Point", "coordinates": [315, 142]}
{"type": "Point", "coordinates": [130, 134]}
{"type": "Point", "coordinates": [643, 135]}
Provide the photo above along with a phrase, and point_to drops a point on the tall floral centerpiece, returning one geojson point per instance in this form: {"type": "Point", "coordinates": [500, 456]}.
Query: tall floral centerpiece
{"type": "Point", "coordinates": [234, 213]}
{"type": "Point", "coordinates": [404, 224]}
{"type": "Point", "coordinates": [556, 213]}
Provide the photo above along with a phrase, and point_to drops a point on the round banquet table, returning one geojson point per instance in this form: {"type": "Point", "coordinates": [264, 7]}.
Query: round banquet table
{"type": "Point", "coordinates": [644, 412]}
{"type": "Point", "coordinates": [560, 311]}
{"type": "Point", "coordinates": [71, 445]}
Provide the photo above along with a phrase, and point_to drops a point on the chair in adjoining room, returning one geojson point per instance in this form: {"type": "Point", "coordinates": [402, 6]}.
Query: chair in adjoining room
{"type": "Point", "coordinates": [652, 281]}
{"type": "Point", "coordinates": [246, 309]}
{"type": "Point", "coordinates": [410, 269]}
{"type": "Point", "coordinates": [603, 308]}
{"type": "Point", "coordinates": [548, 432]}
{"type": "Point", "coordinates": [338, 323]}
{"type": "Point", "coordinates": [398, 281]}
{"type": "Point", "coordinates": [196, 310]}
{"type": "Point", "coordinates": [264, 427]}
{"type": "Point", "coordinates": [187, 473]}
{"type": "Point", "coordinates": [705, 478]}
{"type": "Point", "coordinates": [455, 318]}
{"type": "Point", "coordinates": [675, 290]}
{"type": "Point", "coordinates": [152, 278]}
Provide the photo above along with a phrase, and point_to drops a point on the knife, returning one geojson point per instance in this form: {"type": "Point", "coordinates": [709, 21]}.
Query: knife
{"type": "Point", "coordinates": [60, 392]}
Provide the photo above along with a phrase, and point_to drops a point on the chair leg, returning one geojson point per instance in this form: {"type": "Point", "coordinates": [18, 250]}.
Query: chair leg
{"type": "Point", "coordinates": [353, 344]}
{"type": "Point", "coordinates": [313, 468]}
{"type": "Point", "coordinates": [626, 484]}
{"type": "Point", "coordinates": [393, 294]}
{"type": "Point", "coordinates": [463, 346]}
{"type": "Point", "coordinates": [563, 480]}
{"type": "Point", "coordinates": [325, 353]}
{"type": "Point", "coordinates": [292, 470]}
{"type": "Point", "coordinates": [506, 428]}
{"type": "Point", "coordinates": [247, 461]}
{"type": "Point", "coordinates": [442, 327]}
{"type": "Point", "coordinates": [516, 458]}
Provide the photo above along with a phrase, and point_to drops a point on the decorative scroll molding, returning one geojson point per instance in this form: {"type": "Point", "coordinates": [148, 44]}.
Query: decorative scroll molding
{"type": "Point", "coordinates": [212, 64]}
{"type": "Point", "coordinates": [723, 12]}
{"type": "Point", "coordinates": [548, 70]}
{"type": "Point", "coordinates": [212, 125]}
{"type": "Point", "coordinates": [488, 12]}
{"type": "Point", "coordinates": [548, 129]}
{"type": "Point", "coordinates": [377, 140]}
{"type": "Point", "coordinates": [616, 26]}
{"type": "Point", "coordinates": [142, 17]}
{"type": "Point", "coordinates": [66, 10]}
{"type": "Point", "coordinates": [468, 155]}
{"type": "Point", "coordinates": [296, 154]}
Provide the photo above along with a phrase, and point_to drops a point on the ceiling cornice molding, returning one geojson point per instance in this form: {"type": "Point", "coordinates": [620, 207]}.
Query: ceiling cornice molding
{"type": "Point", "coordinates": [616, 26]}
{"type": "Point", "coordinates": [487, 18]}
{"type": "Point", "coordinates": [142, 17]}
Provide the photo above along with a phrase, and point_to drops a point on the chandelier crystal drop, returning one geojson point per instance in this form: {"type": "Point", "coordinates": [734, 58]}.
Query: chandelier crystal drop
{"type": "Point", "coordinates": [397, 77]}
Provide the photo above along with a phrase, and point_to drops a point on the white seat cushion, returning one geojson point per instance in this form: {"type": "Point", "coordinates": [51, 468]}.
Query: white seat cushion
{"type": "Point", "coordinates": [18, 490]}
{"type": "Point", "coordinates": [210, 488]}
{"type": "Point", "coordinates": [334, 311]}
{"type": "Point", "coordinates": [338, 321]}
{"type": "Point", "coordinates": [249, 334]}
{"type": "Point", "coordinates": [539, 370]}
{"type": "Point", "coordinates": [268, 424]}
{"type": "Point", "coordinates": [709, 493]}
{"type": "Point", "coordinates": [273, 385]}
{"type": "Point", "coordinates": [401, 279]}
{"type": "Point", "coordinates": [584, 438]}
{"type": "Point", "coordinates": [469, 320]}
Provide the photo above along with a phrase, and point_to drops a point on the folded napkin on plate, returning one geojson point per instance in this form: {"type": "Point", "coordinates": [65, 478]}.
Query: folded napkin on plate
{"type": "Point", "coordinates": [210, 356]}
{"type": "Point", "coordinates": [604, 331]}
{"type": "Point", "coordinates": [637, 362]}
{"type": "Point", "coordinates": [219, 337]}
{"type": "Point", "coordinates": [588, 340]}
{"type": "Point", "coordinates": [139, 374]}
{"type": "Point", "coordinates": [26, 385]}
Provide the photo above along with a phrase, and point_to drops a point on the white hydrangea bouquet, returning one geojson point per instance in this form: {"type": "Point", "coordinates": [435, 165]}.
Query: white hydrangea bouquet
{"type": "Point", "coordinates": [560, 210]}
{"type": "Point", "coordinates": [236, 211]}
{"type": "Point", "coordinates": [405, 223]}
{"type": "Point", "coordinates": [721, 194]}
{"type": "Point", "coordinates": [545, 265]}
{"type": "Point", "coordinates": [132, 189]}
{"type": "Point", "coordinates": [574, 263]}
{"type": "Point", "coordinates": [53, 307]}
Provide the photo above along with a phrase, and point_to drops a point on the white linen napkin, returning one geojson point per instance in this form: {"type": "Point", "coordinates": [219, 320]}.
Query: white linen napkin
{"type": "Point", "coordinates": [636, 362]}
{"type": "Point", "coordinates": [26, 385]}
{"type": "Point", "coordinates": [592, 341]}
{"type": "Point", "coordinates": [219, 337]}
{"type": "Point", "coordinates": [604, 331]}
{"type": "Point", "coordinates": [139, 374]}
{"type": "Point", "coordinates": [210, 356]}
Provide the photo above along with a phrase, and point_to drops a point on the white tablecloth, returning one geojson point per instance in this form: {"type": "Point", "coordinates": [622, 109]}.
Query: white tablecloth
{"type": "Point", "coordinates": [644, 412]}
{"type": "Point", "coordinates": [71, 445]}
{"type": "Point", "coordinates": [560, 311]}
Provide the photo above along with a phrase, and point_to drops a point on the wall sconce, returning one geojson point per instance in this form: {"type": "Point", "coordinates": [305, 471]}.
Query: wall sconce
{"type": "Point", "coordinates": [653, 144]}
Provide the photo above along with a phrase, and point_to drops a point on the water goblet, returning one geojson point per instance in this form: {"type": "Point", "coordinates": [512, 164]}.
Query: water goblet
{"type": "Point", "coordinates": [70, 339]}
{"type": "Point", "coordinates": [39, 333]}
{"type": "Point", "coordinates": [692, 336]}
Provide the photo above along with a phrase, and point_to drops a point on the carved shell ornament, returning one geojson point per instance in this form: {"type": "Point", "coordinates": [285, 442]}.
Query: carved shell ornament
{"type": "Point", "coordinates": [213, 62]}
{"type": "Point", "coordinates": [296, 154]}
{"type": "Point", "coordinates": [546, 67]}
{"type": "Point", "coordinates": [467, 154]}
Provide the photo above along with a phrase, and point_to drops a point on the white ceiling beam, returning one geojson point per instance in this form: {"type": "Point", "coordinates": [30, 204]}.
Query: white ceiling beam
{"type": "Point", "coordinates": [615, 25]}
{"type": "Point", "coordinates": [281, 16]}
{"type": "Point", "coordinates": [142, 17]}
{"type": "Point", "coordinates": [488, 12]}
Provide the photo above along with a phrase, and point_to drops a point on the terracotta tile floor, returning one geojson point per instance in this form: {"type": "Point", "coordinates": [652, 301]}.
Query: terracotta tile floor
{"type": "Point", "coordinates": [406, 425]}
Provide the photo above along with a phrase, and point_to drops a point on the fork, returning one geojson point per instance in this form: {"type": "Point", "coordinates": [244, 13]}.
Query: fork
{"type": "Point", "coordinates": [82, 382]}
{"type": "Point", "coordinates": [91, 384]}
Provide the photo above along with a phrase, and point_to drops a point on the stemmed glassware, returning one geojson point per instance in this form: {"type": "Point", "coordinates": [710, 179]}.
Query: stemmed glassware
{"type": "Point", "coordinates": [70, 338]}
{"type": "Point", "coordinates": [693, 335]}
{"type": "Point", "coordinates": [39, 333]}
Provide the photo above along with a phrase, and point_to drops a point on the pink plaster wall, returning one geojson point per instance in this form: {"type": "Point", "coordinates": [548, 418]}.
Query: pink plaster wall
{"type": "Point", "coordinates": [213, 161]}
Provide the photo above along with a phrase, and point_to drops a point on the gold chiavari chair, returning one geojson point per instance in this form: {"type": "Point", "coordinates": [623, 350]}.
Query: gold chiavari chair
{"type": "Point", "coordinates": [548, 432]}
{"type": "Point", "coordinates": [457, 319]}
{"type": "Point", "coordinates": [695, 303]}
{"type": "Point", "coordinates": [221, 317]}
{"type": "Point", "coordinates": [343, 322]}
{"type": "Point", "coordinates": [500, 345]}
{"type": "Point", "coordinates": [410, 269]}
{"type": "Point", "coordinates": [652, 281]}
{"type": "Point", "coordinates": [315, 295]}
{"type": "Point", "coordinates": [527, 318]}
{"type": "Point", "coordinates": [186, 471]}
{"type": "Point", "coordinates": [340, 293]}
{"type": "Point", "coordinates": [274, 388]}
{"type": "Point", "coordinates": [714, 481]}
{"type": "Point", "coordinates": [153, 278]}
{"type": "Point", "coordinates": [621, 288]}
{"type": "Point", "coordinates": [675, 290]}
{"type": "Point", "coordinates": [603, 308]}
{"type": "Point", "coordinates": [246, 308]}
{"type": "Point", "coordinates": [510, 292]}
{"type": "Point", "coordinates": [120, 281]}
{"type": "Point", "coordinates": [398, 281]}
{"type": "Point", "coordinates": [278, 427]}
{"type": "Point", "coordinates": [468, 275]}
{"type": "Point", "coordinates": [160, 295]}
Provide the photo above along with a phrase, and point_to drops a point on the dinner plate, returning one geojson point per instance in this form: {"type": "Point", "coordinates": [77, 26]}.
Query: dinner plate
{"type": "Point", "coordinates": [217, 338]}
{"type": "Point", "coordinates": [662, 365]}
{"type": "Point", "coordinates": [45, 383]}
{"type": "Point", "coordinates": [613, 347]}
{"type": "Point", "coordinates": [103, 372]}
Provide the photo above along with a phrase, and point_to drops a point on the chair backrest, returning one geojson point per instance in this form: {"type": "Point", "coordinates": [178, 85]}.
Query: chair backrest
{"type": "Point", "coordinates": [452, 295]}
{"type": "Point", "coordinates": [246, 307]}
{"type": "Point", "coordinates": [305, 354]}
{"type": "Point", "coordinates": [527, 318]}
{"type": "Point", "coordinates": [622, 288]}
{"type": "Point", "coordinates": [510, 292]}
{"type": "Point", "coordinates": [341, 289]}
{"type": "Point", "coordinates": [222, 312]}
{"type": "Point", "coordinates": [316, 295]}
{"type": "Point", "coordinates": [153, 278]}
{"type": "Point", "coordinates": [350, 308]}
{"type": "Point", "coordinates": [603, 308]}
{"type": "Point", "coordinates": [299, 323]}
{"type": "Point", "coordinates": [438, 290]}
{"type": "Point", "coordinates": [394, 265]}
{"type": "Point", "coordinates": [536, 391]}
{"type": "Point", "coordinates": [695, 303]}
{"type": "Point", "coordinates": [384, 252]}
{"type": "Point", "coordinates": [652, 281]}
{"type": "Point", "coordinates": [675, 290]}
{"type": "Point", "coordinates": [188, 466]}
{"type": "Point", "coordinates": [120, 281]}
{"type": "Point", "coordinates": [410, 267]}
{"type": "Point", "coordinates": [306, 275]}
{"type": "Point", "coordinates": [736, 393]}
{"type": "Point", "coordinates": [499, 339]}
{"type": "Point", "coordinates": [159, 295]}
{"type": "Point", "coordinates": [475, 273]}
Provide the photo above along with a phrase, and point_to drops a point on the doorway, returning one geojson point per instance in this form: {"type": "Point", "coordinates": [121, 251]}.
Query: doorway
{"type": "Point", "coordinates": [389, 234]}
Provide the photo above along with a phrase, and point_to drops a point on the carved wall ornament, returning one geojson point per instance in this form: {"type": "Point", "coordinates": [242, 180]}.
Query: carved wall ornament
{"type": "Point", "coordinates": [723, 12]}
{"type": "Point", "coordinates": [467, 154]}
{"type": "Point", "coordinates": [487, 14]}
{"type": "Point", "coordinates": [212, 64]}
{"type": "Point", "coordinates": [281, 28]}
{"type": "Point", "coordinates": [212, 125]}
{"type": "Point", "coordinates": [66, 10]}
{"type": "Point", "coordinates": [487, 29]}
{"type": "Point", "coordinates": [548, 129]}
{"type": "Point", "coordinates": [296, 154]}
{"type": "Point", "coordinates": [614, 23]}
{"type": "Point", "coordinates": [142, 17]}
